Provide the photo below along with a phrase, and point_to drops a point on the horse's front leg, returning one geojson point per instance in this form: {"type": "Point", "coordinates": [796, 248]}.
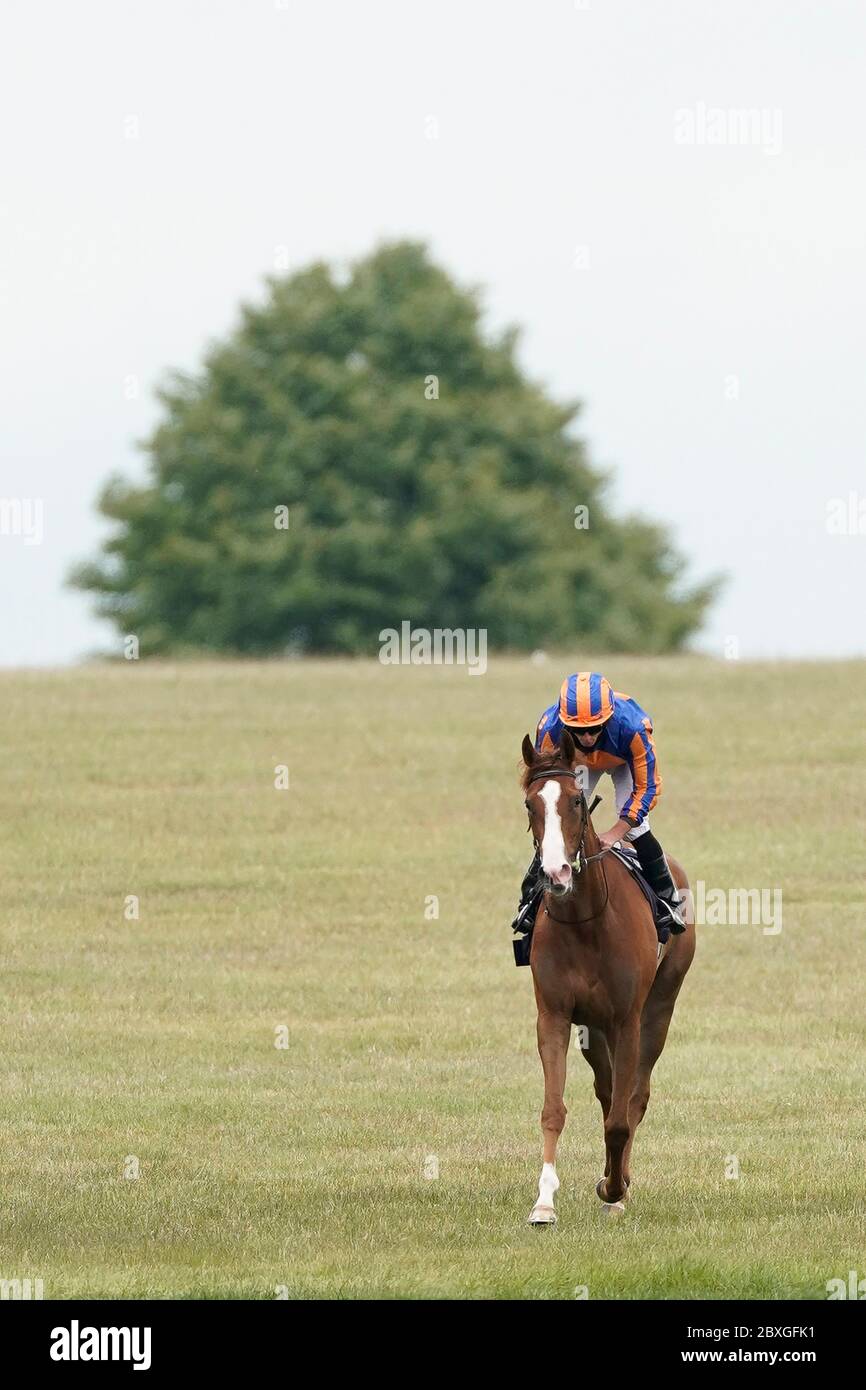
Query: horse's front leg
{"type": "Point", "coordinates": [554, 1033]}
{"type": "Point", "coordinates": [624, 1044]}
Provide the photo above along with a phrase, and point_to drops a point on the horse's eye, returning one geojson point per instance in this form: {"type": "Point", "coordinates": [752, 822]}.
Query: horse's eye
{"type": "Point", "coordinates": [528, 807]}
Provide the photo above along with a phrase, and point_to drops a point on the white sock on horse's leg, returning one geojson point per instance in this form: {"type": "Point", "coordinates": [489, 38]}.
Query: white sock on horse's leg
{"type": "Point", "coordinates": [548, 1185]}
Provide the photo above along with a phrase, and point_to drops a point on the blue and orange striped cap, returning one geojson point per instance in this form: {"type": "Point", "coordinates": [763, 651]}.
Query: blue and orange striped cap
{"type": "Point", "coordinates": [585, 699]}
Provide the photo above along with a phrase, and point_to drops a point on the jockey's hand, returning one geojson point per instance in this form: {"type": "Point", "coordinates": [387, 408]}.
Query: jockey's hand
{"type": "Point", "coordinates": [615, 834]}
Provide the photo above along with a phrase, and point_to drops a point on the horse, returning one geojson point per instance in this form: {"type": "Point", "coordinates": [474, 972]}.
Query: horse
{"type": "Point", "coordinates": [595, 962]}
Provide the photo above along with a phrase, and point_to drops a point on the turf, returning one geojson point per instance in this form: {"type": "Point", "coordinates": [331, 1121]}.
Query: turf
{"type": "Point", "coordinates": [304, 917]}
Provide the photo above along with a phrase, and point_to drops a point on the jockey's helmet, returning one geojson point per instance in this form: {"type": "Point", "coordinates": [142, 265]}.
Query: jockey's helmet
{"type": "Point", "coordinates": [585, 700]}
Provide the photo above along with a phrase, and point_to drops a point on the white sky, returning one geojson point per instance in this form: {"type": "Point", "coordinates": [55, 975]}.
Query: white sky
{"type": "Point", "coordinates": [305, 124]}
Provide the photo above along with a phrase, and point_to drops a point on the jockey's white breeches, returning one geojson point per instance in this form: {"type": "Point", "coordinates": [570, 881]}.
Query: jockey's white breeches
{"type": "Point", "coordinates": [623, 786]}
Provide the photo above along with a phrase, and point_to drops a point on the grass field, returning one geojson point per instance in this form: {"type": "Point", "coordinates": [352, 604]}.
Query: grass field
{"type": "Point", "coordinates": [153, 1041]}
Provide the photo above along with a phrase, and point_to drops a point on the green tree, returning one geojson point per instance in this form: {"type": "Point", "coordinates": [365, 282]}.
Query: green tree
{"type": "Point", "coordinates": [424, 478]}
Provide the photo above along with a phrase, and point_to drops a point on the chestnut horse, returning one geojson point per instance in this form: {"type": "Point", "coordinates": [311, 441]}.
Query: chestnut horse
{"type": "Point", "coordinates": [595, 962]}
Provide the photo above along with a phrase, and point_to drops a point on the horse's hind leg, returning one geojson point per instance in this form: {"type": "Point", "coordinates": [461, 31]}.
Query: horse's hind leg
{"type": "Point", "coordinates": [617, 1129]}
{"type": "Point", "coordinates": [655, 1021]}
{"type": "Point", "coordinates": [554, 1033]}
{"type": "Point", "coordinates": [593, 1045]}
{"type": "Point", "coordinates": [654, 1030]}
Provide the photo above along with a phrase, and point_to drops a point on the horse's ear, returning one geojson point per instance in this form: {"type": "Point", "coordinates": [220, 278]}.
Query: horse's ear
{"type": "Point", "coordinates": [567, 748]}
{"type": "Point", "coordinates": [528, 750]}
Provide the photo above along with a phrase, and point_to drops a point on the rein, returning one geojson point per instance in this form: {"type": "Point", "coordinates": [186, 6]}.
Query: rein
{"type": "Point", "coordinates": [581, 859]}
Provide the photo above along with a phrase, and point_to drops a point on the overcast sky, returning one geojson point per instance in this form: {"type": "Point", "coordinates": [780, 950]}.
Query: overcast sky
{"type": "Point", "coordinates": [694, 274]}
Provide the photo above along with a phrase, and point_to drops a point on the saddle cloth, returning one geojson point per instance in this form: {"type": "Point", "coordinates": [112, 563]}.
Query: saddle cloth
{"type": "Point", "coordinates": [628, 856]}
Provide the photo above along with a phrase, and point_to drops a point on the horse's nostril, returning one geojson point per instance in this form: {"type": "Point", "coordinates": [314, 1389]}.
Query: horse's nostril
{"type": "Point", "coordinates": [560, 875]}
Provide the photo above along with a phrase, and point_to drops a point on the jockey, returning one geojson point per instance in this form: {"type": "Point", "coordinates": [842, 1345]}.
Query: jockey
{"type": "Point", "coordinates": [614, 735]}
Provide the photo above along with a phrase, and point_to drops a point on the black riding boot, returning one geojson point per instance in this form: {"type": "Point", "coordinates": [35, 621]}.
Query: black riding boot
{"type": "Point", "coordinates": [530, 897]}
{"type": "Point", "coordinates": [651, 858]}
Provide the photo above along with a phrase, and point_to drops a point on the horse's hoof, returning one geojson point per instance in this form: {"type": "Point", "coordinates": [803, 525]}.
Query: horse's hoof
{"type": "Point", "coordinates": [613, 1208]}
{"type": "Point", "coordinates": [599, 1193]}
{"type": "Point", "coordinates": [542, 1216]}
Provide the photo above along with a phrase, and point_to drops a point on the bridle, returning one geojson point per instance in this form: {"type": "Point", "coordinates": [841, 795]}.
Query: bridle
{"type": "Point", "coordinates": [581, 858]}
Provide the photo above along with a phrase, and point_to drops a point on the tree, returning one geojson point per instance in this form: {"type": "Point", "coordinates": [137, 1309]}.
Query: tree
{"type": "Point", "coordinates": [358, 453]}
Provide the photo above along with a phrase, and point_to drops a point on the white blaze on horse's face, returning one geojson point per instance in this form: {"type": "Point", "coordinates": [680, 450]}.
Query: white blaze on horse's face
{"type": "Point", "coordinates": [554, 856]}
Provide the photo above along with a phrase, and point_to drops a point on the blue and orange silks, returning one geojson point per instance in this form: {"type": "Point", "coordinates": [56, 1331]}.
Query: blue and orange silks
{"type": "Point", "coordinates": [627, 738]}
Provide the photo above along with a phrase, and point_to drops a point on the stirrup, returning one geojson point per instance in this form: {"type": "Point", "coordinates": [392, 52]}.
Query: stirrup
{"type": "Point", "coordinates": [521, 946]}
{"type": "Point", "coordinates": [678, 923]}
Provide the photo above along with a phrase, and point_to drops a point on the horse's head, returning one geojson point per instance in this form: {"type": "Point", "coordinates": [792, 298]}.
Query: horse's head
{"type": "Point", "coordinates": [553, 784]}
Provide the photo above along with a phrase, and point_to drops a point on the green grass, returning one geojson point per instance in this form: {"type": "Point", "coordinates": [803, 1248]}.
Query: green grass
{"type": "Point", "coordinates": [303, 1167]}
